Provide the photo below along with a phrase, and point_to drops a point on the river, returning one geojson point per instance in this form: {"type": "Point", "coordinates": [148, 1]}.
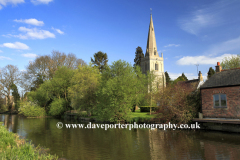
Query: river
{"type": "Point", "coordinates": [119, 144]}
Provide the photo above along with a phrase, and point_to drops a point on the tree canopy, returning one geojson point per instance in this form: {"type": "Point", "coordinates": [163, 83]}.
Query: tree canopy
{"type": "Point", "coordinates": [100, 60]}
{"type": "Point", "coordinates": [122, 86]}
{"type": "Point", "coordinates": [168, 79]}
{"type": "Point", "coordinates": [210, 72]}
{"type": "Point", "coordinates": [138, 57]}
{"type": "Point", "coordinates": [231, 62]}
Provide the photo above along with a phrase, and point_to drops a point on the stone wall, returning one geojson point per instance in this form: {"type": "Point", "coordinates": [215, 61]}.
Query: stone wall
{"type": "Point", "coordinates": [233, 102]}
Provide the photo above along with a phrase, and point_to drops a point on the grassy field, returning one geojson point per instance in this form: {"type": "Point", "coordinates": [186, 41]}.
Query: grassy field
{"type": "Point", "coordinates": [12, 147]}
{"type": "Point", "coordinates": [141, 115]}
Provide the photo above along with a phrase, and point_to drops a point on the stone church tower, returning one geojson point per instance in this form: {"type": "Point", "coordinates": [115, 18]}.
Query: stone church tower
{"type": "Point", "coordinates": [152, 61]}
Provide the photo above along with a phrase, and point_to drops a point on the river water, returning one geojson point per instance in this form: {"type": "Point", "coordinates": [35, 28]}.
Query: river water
{"type": "Point", "coordinates": [122, 144]}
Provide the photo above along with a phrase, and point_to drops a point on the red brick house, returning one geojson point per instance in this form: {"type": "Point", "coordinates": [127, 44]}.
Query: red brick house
{"type": "Point", "coordinates": [221, 94]}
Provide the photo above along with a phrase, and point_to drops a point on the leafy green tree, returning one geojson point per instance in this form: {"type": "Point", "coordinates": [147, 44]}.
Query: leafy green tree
{"type": "Point", "coordinates": [122, 86]}
{"type": "Point", "coordinates": [55, 88]}
{"type": "Point", "coordinates": [15, 95]}
{"type": "Point", "coordinates": [168, 79]}
{"type": "Point", "coordinates": [180, 78]}
{"type": "Point", "coordinates": [231, 62]}
{"type": "Point", "coordinates": [138, 57]}
{"type": "Point", "coordinates": [83, 92]}
{"type": "Point", "coordinates": [184, 77]}
{"type": "Point", "coordinates": [210, 72]}
{"type": "Point", "coordinates": [100, 60]}
{"type": "Point", "coordinates": [39, 80]}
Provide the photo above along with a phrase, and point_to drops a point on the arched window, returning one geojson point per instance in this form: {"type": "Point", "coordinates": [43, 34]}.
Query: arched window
{"type": "Point", "coordinates": [145, 66]}
{"type": "Point", "coordinates": [156, 66]}
{"type": "Point", "coordinates": [155, 52]}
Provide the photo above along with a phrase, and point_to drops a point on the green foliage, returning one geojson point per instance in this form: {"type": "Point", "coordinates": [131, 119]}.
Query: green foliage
{"type": "Point", "coordinates": [100, 60]}
{"type": "Point", "coordinates": [210, 72]}
{"type": "Point", "coordinates": [58, 107]}
{"type": "Point", "coordinates": [12, 147]}
{"type": "Point", "coordinates": [121, 88]}
{"type": "Point", "coordinates": [85, 84]}
{"type": "Point", "coordinates": [138, 57]}
{"type": "Point", "coordinates": [39, 80]}
{"type": "Point", "coordinates": [168, 79]}
{"type": "Point", "coordinates": [31, 109]}
{"type": "Point", "coordinates": [180, 78]}
{"type": "Point", "coordinates": [15, 95]}
{"type": "Point", "coordinates": [57, 87]}
{"type": "Point", "coordinates": [231, 62]}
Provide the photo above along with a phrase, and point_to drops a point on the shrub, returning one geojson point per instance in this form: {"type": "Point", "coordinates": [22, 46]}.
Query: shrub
{"type": "Point", "coordinates": [30, 109]}
{"type": "Point", "coordinates": [179, 104]}
{"type": "Point", "coordinates": [58, 107]}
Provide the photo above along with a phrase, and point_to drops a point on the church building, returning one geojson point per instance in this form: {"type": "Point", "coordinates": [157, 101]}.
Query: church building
{"type": "Point", "coordinates": [152, 61]}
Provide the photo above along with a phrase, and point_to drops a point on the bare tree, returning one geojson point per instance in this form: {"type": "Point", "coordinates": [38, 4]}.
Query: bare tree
{"type": "Point", "coordinates": [9, 75]}
{"type": "Point", "coordinates": [44, 68]}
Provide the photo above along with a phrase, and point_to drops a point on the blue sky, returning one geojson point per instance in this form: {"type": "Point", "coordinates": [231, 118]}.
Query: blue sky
{"type": "Point", "coordinates": [187, 32]}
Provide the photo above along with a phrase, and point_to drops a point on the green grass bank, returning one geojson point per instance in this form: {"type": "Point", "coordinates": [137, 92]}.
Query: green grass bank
{"type": "Point", "coordinates": [12, 147]}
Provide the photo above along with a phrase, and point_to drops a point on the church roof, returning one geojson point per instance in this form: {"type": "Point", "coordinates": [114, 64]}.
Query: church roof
{"type": "Point", "coordinates": [151, 41]}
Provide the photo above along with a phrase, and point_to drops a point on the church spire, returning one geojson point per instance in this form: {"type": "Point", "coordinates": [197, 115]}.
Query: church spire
{"type": "Point", "coordinates": [151, 50]}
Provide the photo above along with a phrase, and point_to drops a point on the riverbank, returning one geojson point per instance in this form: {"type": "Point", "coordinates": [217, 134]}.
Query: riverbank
{"type": "Point", "coordinates": [12, 147]}
{"type": "Point", "coordinates": [137, 116]}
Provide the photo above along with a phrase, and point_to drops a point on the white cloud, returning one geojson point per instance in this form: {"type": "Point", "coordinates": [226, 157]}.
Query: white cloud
{"type": "Point", "coordinates": [7, 58]}
{"type": "Point", "coordinates": [209, 16]}
{"type": "Point", "coordinates": [172, 45]}
{"type": "Point", "coordinates": [1, 51]}
{"type": "Point", "coordinates": [31, 21]}
{"type": "Point", "coordinates": [16, 45]}
{"type": "Point", "coordinates": [36, 2]}
{"type": "Point", "coordinates": [34, 33]}
{"type": "Point", "coordinates": [13, 2]}
{"type": "Point", "coordinates": [29, 55]}
{"type": "Point", "coordinates": [193, 60]}
{"type": "Point", "coordinates": [58, 30]}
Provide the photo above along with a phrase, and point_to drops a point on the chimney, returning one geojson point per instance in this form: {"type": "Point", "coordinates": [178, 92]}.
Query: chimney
{"type": "Point", "coordinates": [218, 67]}
{"type": "Point", "coordinates": [200, 77]}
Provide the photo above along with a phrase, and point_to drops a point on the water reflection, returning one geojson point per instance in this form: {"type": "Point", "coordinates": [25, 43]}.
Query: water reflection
{"type": "Point", "coordinates": [138, 144]}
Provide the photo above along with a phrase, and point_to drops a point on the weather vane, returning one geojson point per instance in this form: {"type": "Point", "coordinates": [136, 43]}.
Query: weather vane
{"type": "Point", "coordinates": [151, 10]}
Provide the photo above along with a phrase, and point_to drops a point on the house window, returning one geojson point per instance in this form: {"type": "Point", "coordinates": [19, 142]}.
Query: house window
{"type": "Point", "coordinates": [156, 67]}
{"type": "Point", "coordinates": [220, 100]}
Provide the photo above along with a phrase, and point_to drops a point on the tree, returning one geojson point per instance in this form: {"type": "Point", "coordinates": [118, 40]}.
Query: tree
{"type": "Point", "coordinates": [55, 89]}
{"type": "Point", "coordinates": [168, 79]}
{"type": "Point", "coordinates": [122, 86]}
{"type": "Point", "coordinates": [9, 75]}
{"type": "Point", "coordinates": [184, 77]}
{"type": "Point", "coordinates": [231, 62]}
{"type": "Point", "coordinates": [15, 95]}
{"type": "Point", "coordinates": [138, 57]}
{"type": "Point", "coordinates": [180, 78]}
{"type": "Point", "coordinates": [100, 60]}
{"type": "Point", "coordinates": [83, 92]}
{"type": "Point", "coordinates": [210, 72]}
{"type": "Point", "coordinates": [44, 67]}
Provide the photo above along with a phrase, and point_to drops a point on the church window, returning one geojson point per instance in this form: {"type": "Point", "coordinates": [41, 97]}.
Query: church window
{"type": "Point", "coordinates": [146, 66]}
{"type": "Point", "coordinates": [155, 52]}
{"type": "Point", "coordinates": [156, 66]}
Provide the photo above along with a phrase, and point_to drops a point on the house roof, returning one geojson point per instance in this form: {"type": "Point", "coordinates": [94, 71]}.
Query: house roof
{"type": "Point", "coordinates": [191, 84]}
{"type": "Point", "coordinates": [224, 78]}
